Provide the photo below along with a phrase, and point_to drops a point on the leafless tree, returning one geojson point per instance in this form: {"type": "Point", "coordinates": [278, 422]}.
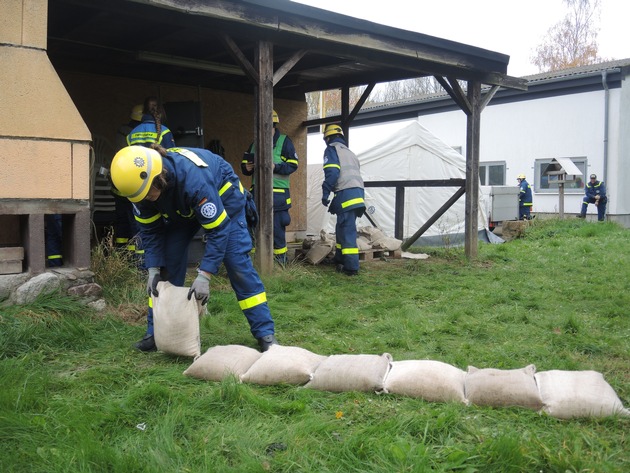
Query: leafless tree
{"type": "Point", "coordinates": [330, 100]}
{"type": "Point", "coordinates": [571, 42]}
{"type": "Point", "coordinates": [405, 89]}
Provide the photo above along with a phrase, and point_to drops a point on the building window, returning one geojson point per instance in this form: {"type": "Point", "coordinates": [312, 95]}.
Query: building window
{"type": "Point", "coordinates": [547, 184]}
{"type": "Point", "coordinates": [492, 174]}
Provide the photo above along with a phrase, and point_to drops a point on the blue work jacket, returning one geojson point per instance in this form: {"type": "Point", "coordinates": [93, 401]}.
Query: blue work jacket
{"type": "Point", "coordinates": [146, 133]}
{"type": "Point", "coordinates": [200, 185]}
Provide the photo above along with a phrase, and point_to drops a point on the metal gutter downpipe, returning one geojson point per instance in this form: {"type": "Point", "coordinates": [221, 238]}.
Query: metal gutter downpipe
{"type": "Point", "coordinates": [606, 106]}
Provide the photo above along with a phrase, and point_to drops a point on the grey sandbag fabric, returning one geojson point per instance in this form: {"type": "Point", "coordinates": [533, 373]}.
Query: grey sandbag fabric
{"type": "Point", "coordinates": [283, 365]}
{"type": "Point", "coordinates": [320, 248]}
{"type": "Point", "coordinates": [176, 321]}
{"type": "Point", "coordinates": [426, 379]}
{"type": "Point", "coordinates": [574, 394]}
{"type": "Point", "coordinates": [339, 373]}
{"type": "Point", "coordinates": [222, 361]}
{"type": "Point", "coordinates": [378, 239]}
{"type": "Point", "coordinates": [502, 388]}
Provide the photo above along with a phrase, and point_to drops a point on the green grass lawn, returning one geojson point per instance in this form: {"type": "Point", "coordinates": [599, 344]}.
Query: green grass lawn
{"type": "Point", "coordinates": [75, 397]}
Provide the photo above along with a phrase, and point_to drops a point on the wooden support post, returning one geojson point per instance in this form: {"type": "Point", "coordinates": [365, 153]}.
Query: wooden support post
{"type": "Point", "coordinates": [263, 172]}
{"type": "Point", "coordinates": [473, 126]}
{"type": "Point", "coordinates": [399, 215]}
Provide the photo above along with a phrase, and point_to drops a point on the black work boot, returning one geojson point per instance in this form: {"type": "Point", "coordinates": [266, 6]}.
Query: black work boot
{"type": "Point", "coordinates": [146, 344]}
{"type": "Point", "coordinates": [348, 272]}
{"type": "Point", "coordinates": [265, 342]}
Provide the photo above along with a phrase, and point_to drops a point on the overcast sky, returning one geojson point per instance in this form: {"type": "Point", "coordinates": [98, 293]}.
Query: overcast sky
{"type": "Point", "coordinates": [489, 24]}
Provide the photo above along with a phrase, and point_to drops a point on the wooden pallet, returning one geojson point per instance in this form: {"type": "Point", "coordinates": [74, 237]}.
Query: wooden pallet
{"type": "Point", "coordinates": [368, 255]}
{"type": "Point", "coordinates": [364, 255]}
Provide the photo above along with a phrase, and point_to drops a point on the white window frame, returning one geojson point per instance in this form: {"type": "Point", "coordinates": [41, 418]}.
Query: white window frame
{"type": "Point", "coordinates": [484, 167]}
{"type": "Point", "coordinates": [569, 188]}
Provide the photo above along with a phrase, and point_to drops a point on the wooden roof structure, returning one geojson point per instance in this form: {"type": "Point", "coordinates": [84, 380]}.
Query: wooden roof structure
{"type": "Point", "coordinates": [272, 48]}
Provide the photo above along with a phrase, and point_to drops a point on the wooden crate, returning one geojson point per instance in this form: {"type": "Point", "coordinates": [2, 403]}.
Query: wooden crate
{"type": "Point", "coordinates": [11, 260]}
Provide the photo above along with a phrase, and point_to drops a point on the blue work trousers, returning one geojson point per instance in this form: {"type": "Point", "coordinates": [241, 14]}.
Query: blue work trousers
{"type": "Point", "coordinates": [281, 219]}
{"type": "Point", "coordinates": [347, 251]}
{"type": "Point", "coordinates": [245, 281]}
{"type": "Point", "coordinates": [601, 207]}
{"type": "Point", "coordinates": [54, 239]}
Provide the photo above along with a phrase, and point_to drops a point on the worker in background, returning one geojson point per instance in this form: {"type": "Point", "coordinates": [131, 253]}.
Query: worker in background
{"type": "Point", "coordinates": [342, 176]}
{"type": "Point", "coordinates": [285, 163]}
{"type": "Point", "coordinates": [525, 199]}
{"type": "Point", "coordinates": [175, 193]}
{"type": "Point", "coordinates": [151, 128]}
{"type": "Point", "coordinates": [595, 193]}
{"type": "Point", "coordinates": [125, 225]}
{"type": "Point", "coordinates": [135, 117]}
{"type": "Point", "coordinates": [149, 132]}
{"type": "Point", "coordinates": [53, 240]}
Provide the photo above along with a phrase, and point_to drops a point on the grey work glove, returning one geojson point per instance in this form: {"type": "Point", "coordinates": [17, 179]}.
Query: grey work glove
{"type": "Point", "coordinates": [152, 281]}
{"type": "Point", "coordinates": [200, 288]}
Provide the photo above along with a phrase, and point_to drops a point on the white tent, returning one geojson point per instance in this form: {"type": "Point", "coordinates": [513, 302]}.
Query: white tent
{"type": "Point", "coordinates": [411, 153]}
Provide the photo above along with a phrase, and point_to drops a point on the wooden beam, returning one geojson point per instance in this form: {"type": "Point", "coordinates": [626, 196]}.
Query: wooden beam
{"type": "Point", "coordinates": [488, 96]}
{"type": "Point", "coordinates": [364, 96]}
{"type": "Point", "coordinates": [345, 112]}
{"type": "Point", "coordinates": [447, 205]}
{"type": "Point", "coordinates": [473, 127]}
{"type": "Point", "coordinates": [263, 171]}
{"type": "Point", "coordinates": [460, 95]}
{"type": "Point", "coordinates": [454, 182]}
{"type": "Point", "coordinates": [287, 66]}
{"type": "Point", "coordinates": [238, 55]}
{"type": "Point", "coordinates": [455, 93]}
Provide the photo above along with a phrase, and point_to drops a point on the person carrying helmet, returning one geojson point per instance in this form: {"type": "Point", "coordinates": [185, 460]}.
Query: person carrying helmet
{"type": "Point", "coordinates": [595, 193]}
{"type": "Point", "coordinates": [342, 176]}
{"type": "Point", "coordinates": [125, 226]}
{"type": "Point", "coordinates": [285, 163]}
{"type": "Point", "coordinates": [525, 199]}
{"type": "Point", "coordinates": [175, 193]}
{"type": "Point", "coordinates": [151, 128]}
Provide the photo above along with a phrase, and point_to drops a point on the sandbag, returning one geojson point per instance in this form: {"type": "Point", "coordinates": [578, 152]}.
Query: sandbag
{"type": "Point", "coordinates": [426, 379]}
{"type": "Point", "coordinates": [339, 373]}
{"type": "Point", "coordinates": [222, 361]}
{"type": "Point", "coordinates": [320, 248]}
{"type": "Point", "coordinates": [282, 364]}
{"type": "Point", "coordinates": [176, 321]}
{"type": "Point", "coordinates": [318, 252]}
{"type": "Point", "coordinates": [573, 394]}
{"type": "Point", "coordinates": [502, 388]}
{"type": "Point", "coordinates": [363, 244]}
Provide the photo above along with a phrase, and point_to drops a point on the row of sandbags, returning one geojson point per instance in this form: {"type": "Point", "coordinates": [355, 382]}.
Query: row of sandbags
{"type": "Point", "coordinates": [562, 394]}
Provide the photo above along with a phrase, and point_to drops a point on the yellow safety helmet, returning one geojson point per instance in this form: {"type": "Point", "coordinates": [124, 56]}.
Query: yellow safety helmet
{"type": "Point", "coordinates": [133, 170]}
{"type": "Point", "coordinates": [275, 117]}
{"type": "Point", "coordinates": [136, 113]}
{"type": "Point", "coordinates": [521, 176]}
{"type": "Point", "coordinates": [332, 129]}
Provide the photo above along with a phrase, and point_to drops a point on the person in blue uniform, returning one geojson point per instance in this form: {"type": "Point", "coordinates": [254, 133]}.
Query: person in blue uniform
{"type": "Point", "coordinates": [151, 129]}
{"type": "Point", "coordinates": [285, 163]}
{"type": "Point", "coordinates": [125, 225]}
{"type": "Point", "coordinates": [525, 199]}
{"type": "Point", "coordinates": [175, 193]}
{"type": "Point", "coordinates": [342, 176]}
{"type": "Point", "coordinates": [595, 193]}
{"type": "Point", "coordinates": [53, 245]}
